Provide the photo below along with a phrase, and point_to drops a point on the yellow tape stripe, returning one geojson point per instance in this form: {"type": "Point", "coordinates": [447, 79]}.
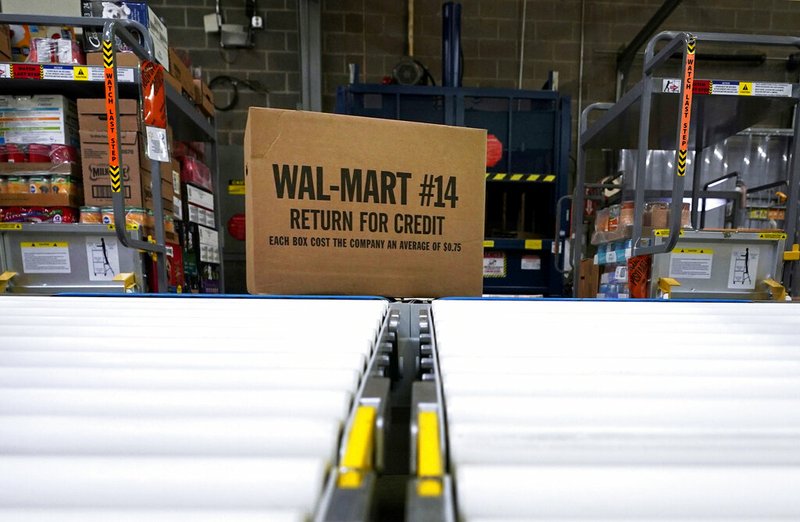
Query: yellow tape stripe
{"type": "Point", "coordinates": [502, 176]}
{"type": "Point", "coordinates": [516, 177]}
{"type": "Point", "coordinates": [430, 468]}
{"type": "Point", "coordinates": [549, 178]}
{"type": "Point", "coordinates": [358, 453]}
{"type": "Point", "coordinates": [533, 244]}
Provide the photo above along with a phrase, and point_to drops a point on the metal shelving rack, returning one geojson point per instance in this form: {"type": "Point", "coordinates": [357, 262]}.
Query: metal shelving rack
{"type": "Point", "coordinates": [713, 117]}
{"type": "Point", "coordinates": [189, 123]}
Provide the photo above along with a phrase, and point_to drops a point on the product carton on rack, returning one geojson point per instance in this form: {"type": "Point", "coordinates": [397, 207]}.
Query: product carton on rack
{"type": "Point", "coordinates": [347, 205]}
{"type": "Point", "coordinates": [5, 43]}
{"type": "Point", "coordinates": [136, 11]}
{"type": "Point", "coordinates": [43, 118]}
{"type": "Point", "coordinates": [96, 182]}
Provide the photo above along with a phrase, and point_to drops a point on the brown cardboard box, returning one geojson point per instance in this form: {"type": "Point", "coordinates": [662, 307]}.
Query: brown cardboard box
{"type": "Point", "coordinates": [92, 115]}
{"type": "Point", "coordinates": [347, 205]}
{"type": "Point", "coordinates": [181, 73]}
{"type": "Point", "coordinates": [122, 59]}
{"type": "Point", "coordinates": [5, 43]}
{"type": "Point", "coordinates": [203, 97]}
{"type": "Point", "coordinates": [590, 278]}
{"type": "Point", "coordinates": [94, 155]}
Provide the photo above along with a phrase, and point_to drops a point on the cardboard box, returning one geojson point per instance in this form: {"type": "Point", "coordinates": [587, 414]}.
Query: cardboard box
{"type": "Point", "coordinates": [347, 205]}
{"type": "Point", "coordinates": [92, 115]}
{"type": "Point", "coordinates": [5, 43]}
{"type": "Point", "coordinates": [42, 118]}
{"type": "Point", "coordinates": [123, 59]}
{"type": "Point", "coordinates": [203, 97]}
{"type": "Point", "coordinates": [96, 183]}
{"type": "Point", "coordinates": [181, 73]}
{"type": "Point", "coordinates": [590, 275]}
{"type": "Point", "coordinates": [137, 11]}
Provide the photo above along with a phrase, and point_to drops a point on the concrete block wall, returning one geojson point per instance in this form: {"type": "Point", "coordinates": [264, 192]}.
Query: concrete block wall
{"type": "Point", "coordinates": [372, 33]}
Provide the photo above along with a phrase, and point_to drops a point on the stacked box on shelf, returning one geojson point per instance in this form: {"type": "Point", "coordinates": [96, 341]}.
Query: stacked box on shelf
{"type": "Point", "coordinates": [198, 227]}
{"type": "Point", "coordinates": [135, 165]}
{"type": "Point", "coordinates": [136, 11]}
{"type": "Point", "coordinates": [39, 163]}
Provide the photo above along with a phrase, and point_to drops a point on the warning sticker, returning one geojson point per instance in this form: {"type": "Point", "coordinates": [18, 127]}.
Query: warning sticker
{"type": "Point", "coordinates": [744, 267]}
{"type": "Point", "coordinates": [531, 263]}
{"type": "Point", "coordinates": [56, 72]}
{"type": "Point", "coordinates": [494, 264]}
{"type": "Point", "coordinates": [157, 148]}
{"type": "Point", "coordinates": [730, 88]}
{"type": "Point", "coordinates": [10, 226]}
{"type": "Point", "coordinates": [26, 71]}
{"type": "Point", "coordinates": [690, 263]}
{"type": "Point", "coordinates": [45, 258]}
{"type": "Point", "coordinates": [236, 187]}
{"type": "Point", "coordinates": [5, 70]}
{"type": "Point", "coordinates": [81, 73]}
{"type": "Point", "coordinates": [783, 90]}
{"type": "Point", "coordinates": [102, 255]}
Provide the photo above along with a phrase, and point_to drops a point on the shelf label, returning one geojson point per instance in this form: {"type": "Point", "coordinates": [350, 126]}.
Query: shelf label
{"type": "Point", "coordinates": [488, 244]}
{"type": "Point", "coordinates": [26, 71]}
{"type": "Point", "coordinates": [730, 88]}
{"type": "Point", "coordinates": [10, 226]}
{"type": "Point", "coordinates": [686, 107]}
{"type": "Point", "coordinates": [533, 244]}
{"type": "Point", "coordinates": [45, 258]}
{"type": "Point", "coordinates": [691, 263]}
{"type": "Point", "coordinates": [5, 70]}
{"type": "Point", "coordinates": [772, 235]}
{"type": "Point", "coordinates": [57, 72]}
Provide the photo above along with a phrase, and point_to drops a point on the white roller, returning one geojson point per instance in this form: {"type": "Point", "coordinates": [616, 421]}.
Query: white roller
{"type": "Point", "coordinates": [481, 368]}
{"type": "Point", "coordinates": [623, 493]}
{"type": "Point", "coordinates": [146, 343]}
{"type": "Point", "coordinates": [160, 483]}
{"type": "Point", "coordinates": [573, 410]}
{"type": "Point", "coordinates": [588, 412]}
{"type": "Point", "coordinates": [133, 515]}
{"type": "Point", "coordinates": [623, 386]}
{"type": "Point", "coordinates": [517, 445]}
{"type": "Point", "coordinates": [160, 436]}
{"type": "Point", "coordinates": [324, 404]}
{"type": "Point", "coordinates": [16, 377]}
{"type": "Point", "coordinates": [219, 360]}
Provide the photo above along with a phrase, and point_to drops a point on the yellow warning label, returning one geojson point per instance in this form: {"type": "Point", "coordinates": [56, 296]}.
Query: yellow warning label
{"type": "Point", "coordinates": [745, 88]}
{"type": "Point", "coordinates": [129, 226]}
{"type": "Point", "coordinates": [663, 232]}
{"type": "Point", "coordinates": [693, 251]}
{"type": "Point", "coordinates": [47, 244]}
{"type": "Point", "coordinates": [488, 244]}
{"type": "Point", "coordinates": [10, 226]}
{"type": "Point", "coordinates": [772, 235]}
{"type": "Point", "coordinates": [80, 73]}
{"type": "Point", "coordinates": [236, 188]}
{"type": "Point", "coordinates": [533, 244]}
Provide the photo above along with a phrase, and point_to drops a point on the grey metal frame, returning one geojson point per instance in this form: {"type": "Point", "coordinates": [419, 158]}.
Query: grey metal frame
{"type": "Point", "coordinates": [643, 92]}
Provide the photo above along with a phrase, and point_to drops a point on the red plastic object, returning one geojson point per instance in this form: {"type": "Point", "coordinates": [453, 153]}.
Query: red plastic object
{"type": "Point", "coordinates": [38, 153]}
{"type": "Point", "coordinates": [15, 153]}
{"type": "Point", "coordinates": [63, 154]}
{"type": "Point", "coordinates": [195, 172]}
{"type": "Point", "coordinates": [38, 215]}
{"type": "Point", "coordinates": [494, 150]}
{"type": "Point", "coordinates": [236, 227]}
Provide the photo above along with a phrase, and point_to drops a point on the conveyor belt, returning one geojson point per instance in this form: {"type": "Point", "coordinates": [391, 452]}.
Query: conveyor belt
{"type": "Point", "coordinates": [569, 410]}
{"type": "Point", "coordinates": [164, 409]}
